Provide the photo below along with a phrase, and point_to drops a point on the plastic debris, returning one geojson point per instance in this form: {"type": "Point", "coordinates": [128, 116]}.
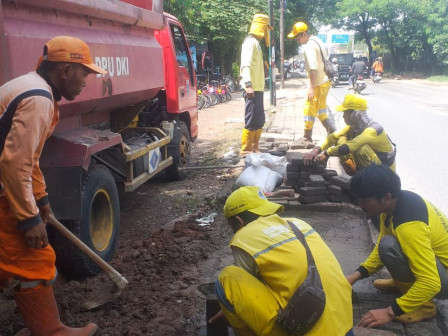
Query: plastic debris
{"type": "Point", "coordinates": [204, 221]}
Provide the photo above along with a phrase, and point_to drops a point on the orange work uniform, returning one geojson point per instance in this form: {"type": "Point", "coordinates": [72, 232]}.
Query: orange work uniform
{"type": "Point", "coordinates": [28, 116]}
{"type": "Point", "coordinates": [378, 66]}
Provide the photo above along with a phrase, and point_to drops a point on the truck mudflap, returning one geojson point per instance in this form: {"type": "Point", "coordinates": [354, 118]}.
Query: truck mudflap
{"type": "Point", "coordinates": [146, 154]}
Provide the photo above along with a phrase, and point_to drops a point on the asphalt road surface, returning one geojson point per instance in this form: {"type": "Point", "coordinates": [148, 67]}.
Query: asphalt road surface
{"type": "Point", "coordinates": [415, 116]}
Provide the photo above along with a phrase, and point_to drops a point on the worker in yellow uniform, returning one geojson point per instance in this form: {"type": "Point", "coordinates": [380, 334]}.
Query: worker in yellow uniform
{"type": "Point", "coordinates": [360, 143]}
{"type": "Point", "coordinates": [271, 264]}
{"type": "Point", "coordinates": [412, 244]}
{"type": "Point", "coordinates": [252, 73]}
{"type": "Point", "coordinates": [316, 103]}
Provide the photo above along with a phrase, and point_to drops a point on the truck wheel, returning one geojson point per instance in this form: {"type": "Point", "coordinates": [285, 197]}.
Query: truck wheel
{"type": "Point", "coordinates": [98, 227]}
{"type": "Point", "coordinates": [179, 148]}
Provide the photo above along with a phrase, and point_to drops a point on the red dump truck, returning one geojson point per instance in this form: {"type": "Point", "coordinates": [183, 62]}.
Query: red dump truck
{"type": "Point", "coordinates": [124, 128]}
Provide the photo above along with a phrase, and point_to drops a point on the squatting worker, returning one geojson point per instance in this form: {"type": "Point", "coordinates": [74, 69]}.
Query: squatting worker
{"type": "Point", "coordinates": [270, 264]}
{"type": "Point", "coordinates": [28, 114]}
{"type": "Point", "coordinates": [360, 143]}
{"type": "Point", "coordinates": [316, 104]}
{"type": "Point", "coordinates": [412, 244]}
{"type": "Point", "coordinates": [252, 73]}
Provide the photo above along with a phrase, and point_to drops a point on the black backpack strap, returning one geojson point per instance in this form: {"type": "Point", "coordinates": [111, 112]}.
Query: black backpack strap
{"type": "Point", "coordinates": [8, 115]}
{"type": "Point", "coordinates": [301, 238]}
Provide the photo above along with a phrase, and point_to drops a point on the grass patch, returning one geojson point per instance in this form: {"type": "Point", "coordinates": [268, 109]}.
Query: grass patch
{"type": "Point", "coordinates": [438, 78]}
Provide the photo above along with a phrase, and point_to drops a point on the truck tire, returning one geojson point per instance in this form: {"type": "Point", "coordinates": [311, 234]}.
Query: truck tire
{"type": "Point", "coordinates": [179, 148]}
{"type": "Point", "coordinates": [98, 227]}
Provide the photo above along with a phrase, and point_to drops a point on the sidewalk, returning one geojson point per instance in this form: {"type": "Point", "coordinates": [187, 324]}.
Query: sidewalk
{"type": "Point", "coordinates": [285, 122]}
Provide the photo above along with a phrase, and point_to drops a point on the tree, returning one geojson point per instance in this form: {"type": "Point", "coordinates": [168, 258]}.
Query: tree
{"type": "Point", "coordinates": [437, 29]}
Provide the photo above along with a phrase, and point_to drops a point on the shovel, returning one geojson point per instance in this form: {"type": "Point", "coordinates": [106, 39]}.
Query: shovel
{"type": "Point", "coordinates": [119, 281]}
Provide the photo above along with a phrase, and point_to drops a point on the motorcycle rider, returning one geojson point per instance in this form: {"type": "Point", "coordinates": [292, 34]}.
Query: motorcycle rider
{"type": "Point", "coordinates": [358, 68]}
{"type": "Point", "coordinates": [378, 67]}
{"type": "Point", "coordinates": [334, 60]}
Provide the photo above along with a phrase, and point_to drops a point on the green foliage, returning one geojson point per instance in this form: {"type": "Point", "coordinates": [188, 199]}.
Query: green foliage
{"type": "Point", "coordinates": [413, 32]}
{"type": "Point", "coordinates": [235, 70]}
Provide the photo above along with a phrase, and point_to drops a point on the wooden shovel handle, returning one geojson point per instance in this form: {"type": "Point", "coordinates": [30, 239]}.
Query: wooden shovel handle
{"type": "Point", "coordinates": [116, 277]}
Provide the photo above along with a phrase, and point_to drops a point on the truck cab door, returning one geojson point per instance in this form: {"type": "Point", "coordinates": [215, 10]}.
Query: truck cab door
{"type": "Point", "coordinates": [185, 71]}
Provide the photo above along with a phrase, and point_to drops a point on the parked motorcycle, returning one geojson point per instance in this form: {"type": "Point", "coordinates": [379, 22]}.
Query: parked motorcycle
{"type": "Point", "coordinates": [377, 77]}
{"type": "Point", "coordinates": [335, 80]}
{"type": "Point", "coordinates": [227, 80]}
{"type": "Point", "coordinates": [360, 84]}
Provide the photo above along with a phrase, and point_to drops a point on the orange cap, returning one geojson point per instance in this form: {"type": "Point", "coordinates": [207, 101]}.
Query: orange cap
{"type": "Point", "coordinates": [69, 49]}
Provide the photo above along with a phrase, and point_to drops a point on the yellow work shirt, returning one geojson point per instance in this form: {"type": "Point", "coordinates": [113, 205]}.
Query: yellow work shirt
{"type": "Point", "coordinates": [313, 59]}
{"type": "Point", "coordinates": [422, 231]}
{"type": "Point", "coordinates": [252, 57]}
{"type": "Point", "coordinates": [280, 258]}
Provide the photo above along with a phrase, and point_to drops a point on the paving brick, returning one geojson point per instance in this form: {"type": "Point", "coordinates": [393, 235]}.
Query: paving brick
{"type": "Point", "coordinates": [292, 168]}
{"type": "Point", "coordinates": [312, 199]}
{"type": "Point", "coordinates": [317, 181]}
{"type": "Point", "coordinates": [276, 152]}
{"type": "Point", "coordinates": [334, 189]}
{"type": "Point", "coordinates": [263, 149]}
{"type": "Point", "coordinates": [296, 183]}
{"type": "Point", "coordinates": [269, 139]}
{"type": "Point", "coordinates": [358, 331]}
{"type": "Point", "coordinates": [305, 174]}
{"type": "Point", "coordinates": [298, 162]}
{"type": "Point", "coordinates": [313, 168]}
{"type": "Point", "coordinates": [294, 154]}
{"type": "Point", "coordinates": [341, 181]}
{"type": "Point", "coordinates": [283, 147]}
{"type": "Point", "coordinates": [339, 198]}
{"type": "Point", "coordinates": [292, 175]}
{"type": "Point", "coordinates": [329, 173]}
{"type": "Point", "coordinates": [312, 191]}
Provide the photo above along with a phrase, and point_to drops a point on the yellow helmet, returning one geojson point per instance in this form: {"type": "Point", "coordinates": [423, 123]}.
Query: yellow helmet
{"type": "Point", "coordinates": [352, 102]}
{"type": "Point", "coordinates": [299, 27]}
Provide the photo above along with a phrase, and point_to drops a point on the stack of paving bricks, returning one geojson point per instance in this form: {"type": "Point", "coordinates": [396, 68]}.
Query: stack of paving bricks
{"type": "Point", "coordinates": [273, 146]}
{"type": "Point", "coordinates": [314, 183]}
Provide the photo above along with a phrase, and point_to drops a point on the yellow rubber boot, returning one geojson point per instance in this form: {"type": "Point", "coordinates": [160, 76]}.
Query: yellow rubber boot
{"type": "Point", "coordinates": [257, 137]}
{"type": "Point", "coordinates": [247, 141]}
{"type": "Point", "coordinates": [426, 312]}
{"type": "Point", "coordinates": [386, 285]}
{"type": "Point", "coordinates": [392, 285]}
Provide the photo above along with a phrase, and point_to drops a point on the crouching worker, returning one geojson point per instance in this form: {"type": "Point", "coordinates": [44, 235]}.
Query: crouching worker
{"type": "Point", "coordinates": [412, 244]}
{"type": "Point", "coordinates": [271, 263]}
{"type": "Point", "coordinates": [28, 114]}
{"type": "Point", "coordinates": [359, 144]}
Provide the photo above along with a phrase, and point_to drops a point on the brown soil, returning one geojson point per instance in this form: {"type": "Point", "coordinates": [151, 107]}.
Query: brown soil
{"type": "Point", "coordinates": [162, 251]}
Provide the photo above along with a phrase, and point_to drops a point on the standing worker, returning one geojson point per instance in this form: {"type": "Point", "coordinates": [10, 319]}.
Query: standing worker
{"type": "Point", "coordinates": [316, 104]}
{"type": "Point", "coordinates": [28, 115]}
{"type": "Point", "coordinates": [252, 73]}
{"type": "Point", "coordinates": [412, 244]}
{"type": "Point", "coordinates": [271, 263]}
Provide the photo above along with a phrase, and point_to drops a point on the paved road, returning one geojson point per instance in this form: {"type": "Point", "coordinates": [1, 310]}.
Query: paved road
{"type": "Point", "coordinates": [415, 115]}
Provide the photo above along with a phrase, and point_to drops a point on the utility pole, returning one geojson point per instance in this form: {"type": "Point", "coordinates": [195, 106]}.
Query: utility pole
{"type": "Point", "coordinates": [282, 44]}
{"type": "Point", "coordinates": [271, 55]}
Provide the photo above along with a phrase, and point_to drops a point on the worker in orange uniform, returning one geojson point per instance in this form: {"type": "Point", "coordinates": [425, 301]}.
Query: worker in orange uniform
{"type": "Point", "coordinates": [252, 73]}
{"type": "Point", "coordinates": [28, 115]}
{"type": "Point", "coordinates": [316, 104]}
